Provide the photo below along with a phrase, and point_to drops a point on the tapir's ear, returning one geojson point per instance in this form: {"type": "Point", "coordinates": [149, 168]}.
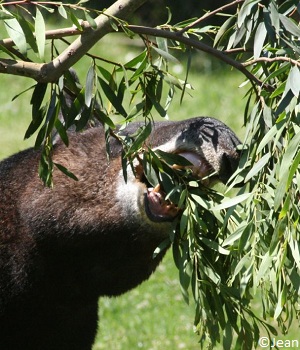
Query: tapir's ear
{"type": "Point", "coordinates": [229, 165]}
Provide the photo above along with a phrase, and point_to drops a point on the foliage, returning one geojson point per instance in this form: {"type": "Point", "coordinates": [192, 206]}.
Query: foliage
{"type": "Point", "coordinates": [227, 249]}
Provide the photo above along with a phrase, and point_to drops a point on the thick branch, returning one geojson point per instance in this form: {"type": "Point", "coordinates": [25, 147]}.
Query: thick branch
{"type": "Point", "coordinates": [199, 46]}
{"type": "Point", "coordinates": [50, 72]}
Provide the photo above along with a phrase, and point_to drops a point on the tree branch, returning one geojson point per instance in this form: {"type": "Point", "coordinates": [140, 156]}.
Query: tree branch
{"type": "Point", "coordinates": [50, 72]}
{"type": "Point", "coordinates": [210, 14]}
{"type": "Point", "coordinates": [199, 46]}
{"type": "Point", "coordinates": [50, 34]}
{"type": "Point", "coordinates": [273, 59]}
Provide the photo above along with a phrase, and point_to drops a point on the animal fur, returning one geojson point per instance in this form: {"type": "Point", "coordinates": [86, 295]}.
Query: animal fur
{"type": "Point", "coordinates": [63, 248]}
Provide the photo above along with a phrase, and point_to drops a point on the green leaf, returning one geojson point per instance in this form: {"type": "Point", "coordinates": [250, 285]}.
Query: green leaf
{"type": "Point", "coordinates": [21, 93]}
{"type": "Point", "coordinates": [295, 249]}
{"type": "Point", "coordinates": [166, 55]}
{"type": "Point", "coordinates": [35, 123]}
{"type": "Point", "coordinates": [293, 169]}
{"type": "Point", "coordinates": [264, 266]}
{"type": "Point", "coordinates": [41, 135]}
{"type": "Point", "coordinates": [258, 166]}
{"type": "Point", "coordinates": [293, 81]}
{"type": "Point", "coordinates": [114, 24]}
{"type": "Point", "coordinates": [236, 235]}
{"type": "Point", "coordinates": [15, 31]}
{"type": "Point", "coordinates": [228, 203]}
{"type": "Point", "coordinates": [76, 108]}
{"type": "Point", "coordinates": [136, 110]}
{"type": "Point", "coordinates": [214, 246]}
{"type": "Point", "coordinates": [149, 171]}
{"type": "Point", "coordinates": [104, 118]}
{"type": "Point", "coordinates": [62, 132]}
{"type": "Point", "coordinates": [172, 158]}
{"type": "Point", "coordinates": [40, 33]}
{"type": "Point", "coordinates": [48, 9]}
{"type": "Point", "coordinates": [276, 129]}
{"type": "Point", "coordinates": [5, 15]}
{"type": "Point", "coordinates": [162, 247]}
{"type": "Point", "coordinates": [143, 134]}
{"type": "Point", "coordinates": [105, 73]}
{"type": "Point", "coordinates": [139, 71]}
{"type": "Point", "coordinates": [259, 39]}
{"type": "Point", "coordinates": [90, 20]}
{"type": "Point", "coordinates": [289, 154]}
{"type": "Point", "coordinates": [66, 171]}
{"type": "Point", "coordinates": [201, 201]}
{"type": "Point", "coordinates": [74, 19]}
{"type": "Point", "coordinates": [184, 221]}
{"type": "Point", "coordinates": [37, 98]}
{"type": "Point", "coordinates": [7, 52]}
{"type": "Point", "coordinates": [279, 90]}
{"type": "Point", "coordinates": [289, 25]}
{"type": "Point", "coordinates": [280, 191]}
{"type": "Point", "coordinates": [112, 97]}
{"type": "Point", "coordinates": [285, 207]}
{"type": "Point", "coordinates": [28, 30]}
{"type": "Point", "coordinates": [224, 27]}
{"type": "Point", "coordinates": [136, 60]}
{"type": "Point", "coordinates": [89, 86]}
{"type": "Point", "coordinates": [62, 11]}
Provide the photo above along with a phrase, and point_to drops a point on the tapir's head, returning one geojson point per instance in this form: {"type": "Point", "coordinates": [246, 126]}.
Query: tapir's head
{"type": "Point", "coordinates": [208, 144]}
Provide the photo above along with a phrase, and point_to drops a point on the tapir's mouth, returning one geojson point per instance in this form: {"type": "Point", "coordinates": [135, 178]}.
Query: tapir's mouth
{"type": "Point", "coordinates": [157, 207]}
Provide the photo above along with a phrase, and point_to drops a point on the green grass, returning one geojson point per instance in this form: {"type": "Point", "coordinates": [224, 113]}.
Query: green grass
{"type": "Point", "coordinates": [154, 315]}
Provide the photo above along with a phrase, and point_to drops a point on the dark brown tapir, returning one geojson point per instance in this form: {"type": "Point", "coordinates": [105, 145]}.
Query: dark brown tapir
{"type": "Point", "coordinates": [62, 248]}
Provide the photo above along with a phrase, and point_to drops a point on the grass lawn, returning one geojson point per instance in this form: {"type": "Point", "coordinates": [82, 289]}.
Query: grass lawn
{"type": "Point", "coordinates": [154, 315]}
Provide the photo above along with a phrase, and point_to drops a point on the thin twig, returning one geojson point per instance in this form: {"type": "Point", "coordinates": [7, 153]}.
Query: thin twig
{"type": "Point", "coordinates": [210, 14]}
{"type": "Point", "coordinates": [274, 59]}
{"type": "Point", "coordinates": [42, 3]}
{"type": "Point", "coordinates": [51, 34]}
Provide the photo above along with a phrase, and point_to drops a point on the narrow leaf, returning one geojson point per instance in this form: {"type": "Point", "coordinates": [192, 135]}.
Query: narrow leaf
{"type": "Point", "coordinates": [228, 203]}
{"type": "Point", "coordinates": [112, 97]}
{"type": "Point", "coordinates": [90, 20]}
{"type": "Point", "coordinates": [294, 81]}
{"type": "Point", "coordinates": [141, 137]}
{"type": "Point", "coordinates": [289, 25]}
{"type": "Point", "coordinates": [62, 11]}
{"type": "Point", "coordinates": [5, 15]}
{"type": "Point", "coordinates": [166, 55]}
{"type": "Point", "coordinates": [66, 171]}
{"type": "Point", "coordinates": [89, 86]}
{"type": "Point", "coordinates": [15, 31]}
{"type": "Point", "coordinates": [37, 98]}
{"type": "Point", "coordinates": [258, 166]}
{"type": "Point", "coordinates": [40, 33]}
{"type": "Point", "coordinates": [259, 39]}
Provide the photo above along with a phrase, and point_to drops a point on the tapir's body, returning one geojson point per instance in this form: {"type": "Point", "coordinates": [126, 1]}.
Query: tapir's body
{"type": "Point", "coordinates": [62, 248]}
